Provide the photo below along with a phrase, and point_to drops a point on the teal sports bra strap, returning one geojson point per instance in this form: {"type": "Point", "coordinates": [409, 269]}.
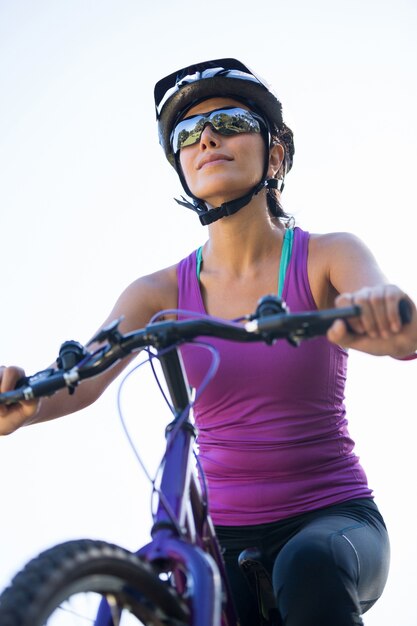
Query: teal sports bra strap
{"type": "Point", "coordinates": [285, 259]}
{"type": "Point", "coordinates": [199, 260]}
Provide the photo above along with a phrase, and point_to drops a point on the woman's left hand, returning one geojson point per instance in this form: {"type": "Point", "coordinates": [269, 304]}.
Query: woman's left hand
{"type": "Point", "coordinates": [379, 329]}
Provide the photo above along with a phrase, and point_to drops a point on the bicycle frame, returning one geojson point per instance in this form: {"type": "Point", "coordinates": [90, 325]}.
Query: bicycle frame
{"type": "Point", "coordinates": [184, 543]}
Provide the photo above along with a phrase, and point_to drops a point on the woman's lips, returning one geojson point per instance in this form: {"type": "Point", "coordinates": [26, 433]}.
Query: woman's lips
{"type": "Point", "coordinates": [213, 158]}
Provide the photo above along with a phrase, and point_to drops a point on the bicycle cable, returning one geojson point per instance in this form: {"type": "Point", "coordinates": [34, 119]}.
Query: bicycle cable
{"type": "Point", "coordinates": [152, 481]}
{"type": "Point", "coordinates": [214, 364]}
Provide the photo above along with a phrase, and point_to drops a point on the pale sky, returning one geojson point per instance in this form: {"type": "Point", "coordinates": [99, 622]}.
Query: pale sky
{"type": "Point", "coordinates": [86, 207]}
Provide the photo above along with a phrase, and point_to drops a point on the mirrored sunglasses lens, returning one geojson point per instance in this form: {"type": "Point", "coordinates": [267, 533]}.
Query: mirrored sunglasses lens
{"type": "Point", "coordinates": [187, 132]}
{"type": "Point", "coordinates": [224, 121]}
{"type": "Point", "coordinates": [235, 121]}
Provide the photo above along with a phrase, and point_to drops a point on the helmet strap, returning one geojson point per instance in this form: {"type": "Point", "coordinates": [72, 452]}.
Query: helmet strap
{"type": "Point", "coordinates": [208, 216]}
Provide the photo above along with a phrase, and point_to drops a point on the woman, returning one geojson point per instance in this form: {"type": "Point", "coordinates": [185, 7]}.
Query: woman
{"type": "Point", "coordinates": [273, 435]}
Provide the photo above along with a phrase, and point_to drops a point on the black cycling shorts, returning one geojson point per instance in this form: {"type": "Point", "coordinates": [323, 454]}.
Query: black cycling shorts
{"type": "Point", "coordinates": [328, 566]}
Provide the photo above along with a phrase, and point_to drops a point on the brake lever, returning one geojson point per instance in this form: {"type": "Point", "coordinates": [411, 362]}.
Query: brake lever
{"type": "Point", "coordinates": [26, 381]}
{"type": "Point", "coordinates": [320, 326]}
{"type": "Point", "coordinates": [110, 333]}
{"type": "Point", "coordinates": [70, 354]}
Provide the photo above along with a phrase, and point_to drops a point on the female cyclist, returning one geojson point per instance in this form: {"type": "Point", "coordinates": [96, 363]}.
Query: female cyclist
{"type": "Point", "coordinates": [273, 437]}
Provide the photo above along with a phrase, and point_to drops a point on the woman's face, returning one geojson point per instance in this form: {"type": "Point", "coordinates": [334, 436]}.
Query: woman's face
{"type": "Point", "coordinates": [221, 168]}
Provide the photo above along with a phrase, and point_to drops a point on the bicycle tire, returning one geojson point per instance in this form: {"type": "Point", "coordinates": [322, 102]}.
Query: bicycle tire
{"type": "Point", "coordinates": [38, 595]}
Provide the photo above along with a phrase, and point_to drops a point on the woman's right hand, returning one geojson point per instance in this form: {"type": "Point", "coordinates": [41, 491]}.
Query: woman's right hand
{"type": "Point", "coordinates": [12, 416]}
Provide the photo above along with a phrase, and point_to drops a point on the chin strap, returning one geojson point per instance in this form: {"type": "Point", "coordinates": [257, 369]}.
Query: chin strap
{"type": "Point", "coordinates": [208, 216]}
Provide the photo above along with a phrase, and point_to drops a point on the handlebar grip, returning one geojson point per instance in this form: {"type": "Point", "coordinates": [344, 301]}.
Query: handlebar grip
{"type": "Point", "coordinates": [35, 389]}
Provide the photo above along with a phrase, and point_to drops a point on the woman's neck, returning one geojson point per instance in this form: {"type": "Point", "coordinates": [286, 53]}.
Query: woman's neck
{"type": "Point", "coordinates": [243, 240]}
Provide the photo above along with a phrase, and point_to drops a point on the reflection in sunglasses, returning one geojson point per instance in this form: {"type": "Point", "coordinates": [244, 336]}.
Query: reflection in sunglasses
{"type": "Point", "coordinates": [226, 121]}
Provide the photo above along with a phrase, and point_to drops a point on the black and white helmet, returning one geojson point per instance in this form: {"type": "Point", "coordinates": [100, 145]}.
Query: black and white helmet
{"type": "Point", "coordinates": [177, 93]}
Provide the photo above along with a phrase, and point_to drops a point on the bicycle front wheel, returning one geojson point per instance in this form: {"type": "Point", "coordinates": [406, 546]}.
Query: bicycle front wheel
{"type": "Point", "coordinates": [70, 583]}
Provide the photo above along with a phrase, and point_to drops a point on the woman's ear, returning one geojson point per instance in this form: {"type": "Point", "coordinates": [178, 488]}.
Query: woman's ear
{"type": "Point", "coordinates": [276, 159]}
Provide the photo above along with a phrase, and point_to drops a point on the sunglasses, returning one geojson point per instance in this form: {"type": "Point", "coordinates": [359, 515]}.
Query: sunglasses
{"type": "Point", "coordinates": [227, 121]}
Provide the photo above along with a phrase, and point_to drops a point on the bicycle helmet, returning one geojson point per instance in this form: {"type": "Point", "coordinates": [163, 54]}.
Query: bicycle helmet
{"type": "Point", "coordinates": [177, 93]}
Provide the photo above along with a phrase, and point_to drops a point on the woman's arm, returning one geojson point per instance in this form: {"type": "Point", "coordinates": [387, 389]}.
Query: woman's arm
{"type": "Point", "coordinates": [355, 276]}
{"type": "Point", "coordinates": [137, 304]}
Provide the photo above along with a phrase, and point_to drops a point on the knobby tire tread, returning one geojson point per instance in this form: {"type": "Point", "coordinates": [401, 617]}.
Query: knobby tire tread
{"type": "Point", "coordinates": [29, 599]}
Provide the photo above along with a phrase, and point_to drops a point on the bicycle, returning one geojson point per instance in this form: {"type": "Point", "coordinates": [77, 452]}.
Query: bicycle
{"type": "Point", "coordinates": [179, 577]}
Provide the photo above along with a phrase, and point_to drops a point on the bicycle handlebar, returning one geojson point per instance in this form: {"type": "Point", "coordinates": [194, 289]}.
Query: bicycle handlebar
{"type": "Point", "coordinates": [75, 363]}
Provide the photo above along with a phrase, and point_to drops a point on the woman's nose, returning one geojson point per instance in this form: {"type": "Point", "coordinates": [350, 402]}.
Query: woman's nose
{"type": "Point", "coordinates": [209, 138]}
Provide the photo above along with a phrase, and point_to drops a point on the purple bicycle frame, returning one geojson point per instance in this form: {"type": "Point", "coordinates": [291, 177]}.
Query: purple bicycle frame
{"type": "Point", "coordinates": [183, 542]}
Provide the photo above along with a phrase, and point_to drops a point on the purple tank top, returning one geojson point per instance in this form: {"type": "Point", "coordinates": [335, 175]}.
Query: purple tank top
{"type": "Point", "coordinates": [272, 431]}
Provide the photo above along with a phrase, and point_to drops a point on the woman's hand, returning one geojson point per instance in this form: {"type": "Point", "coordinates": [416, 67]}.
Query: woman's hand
{"type": "Point", "coordinates": [379, 330]}
{"type": "Point", "coordinates": [14, 415]}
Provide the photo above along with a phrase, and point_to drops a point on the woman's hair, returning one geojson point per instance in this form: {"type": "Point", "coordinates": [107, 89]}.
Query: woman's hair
{"type": "Point", "coordinates": [274, 204]}
{"type": "Point", "coordinates": [273, 196]}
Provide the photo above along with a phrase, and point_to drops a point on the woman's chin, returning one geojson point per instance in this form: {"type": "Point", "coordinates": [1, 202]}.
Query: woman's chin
{"type": "Point", "coordinates": [219, 198]}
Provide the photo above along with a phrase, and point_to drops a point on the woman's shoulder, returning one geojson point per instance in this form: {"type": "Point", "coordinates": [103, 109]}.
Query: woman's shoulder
{"type": "Point", "coordinates": [152, 293]}
{"type": "Point", "coordinates": [159, 288]}
{"type": "Point", "coordinates": [332, 255]}
{"type": "Point", "coordinates": [337, 245]}
{"type": "Point", "coordinates": [146, 296]}
{"type": "Point", "coordinates": [335, 239]}
{"type": "Point", "coordinates": [327, 240]}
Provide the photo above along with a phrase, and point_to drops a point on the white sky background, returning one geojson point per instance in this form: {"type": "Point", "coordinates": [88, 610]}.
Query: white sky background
{"type": "Point", "coordinates": [86, 206]}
